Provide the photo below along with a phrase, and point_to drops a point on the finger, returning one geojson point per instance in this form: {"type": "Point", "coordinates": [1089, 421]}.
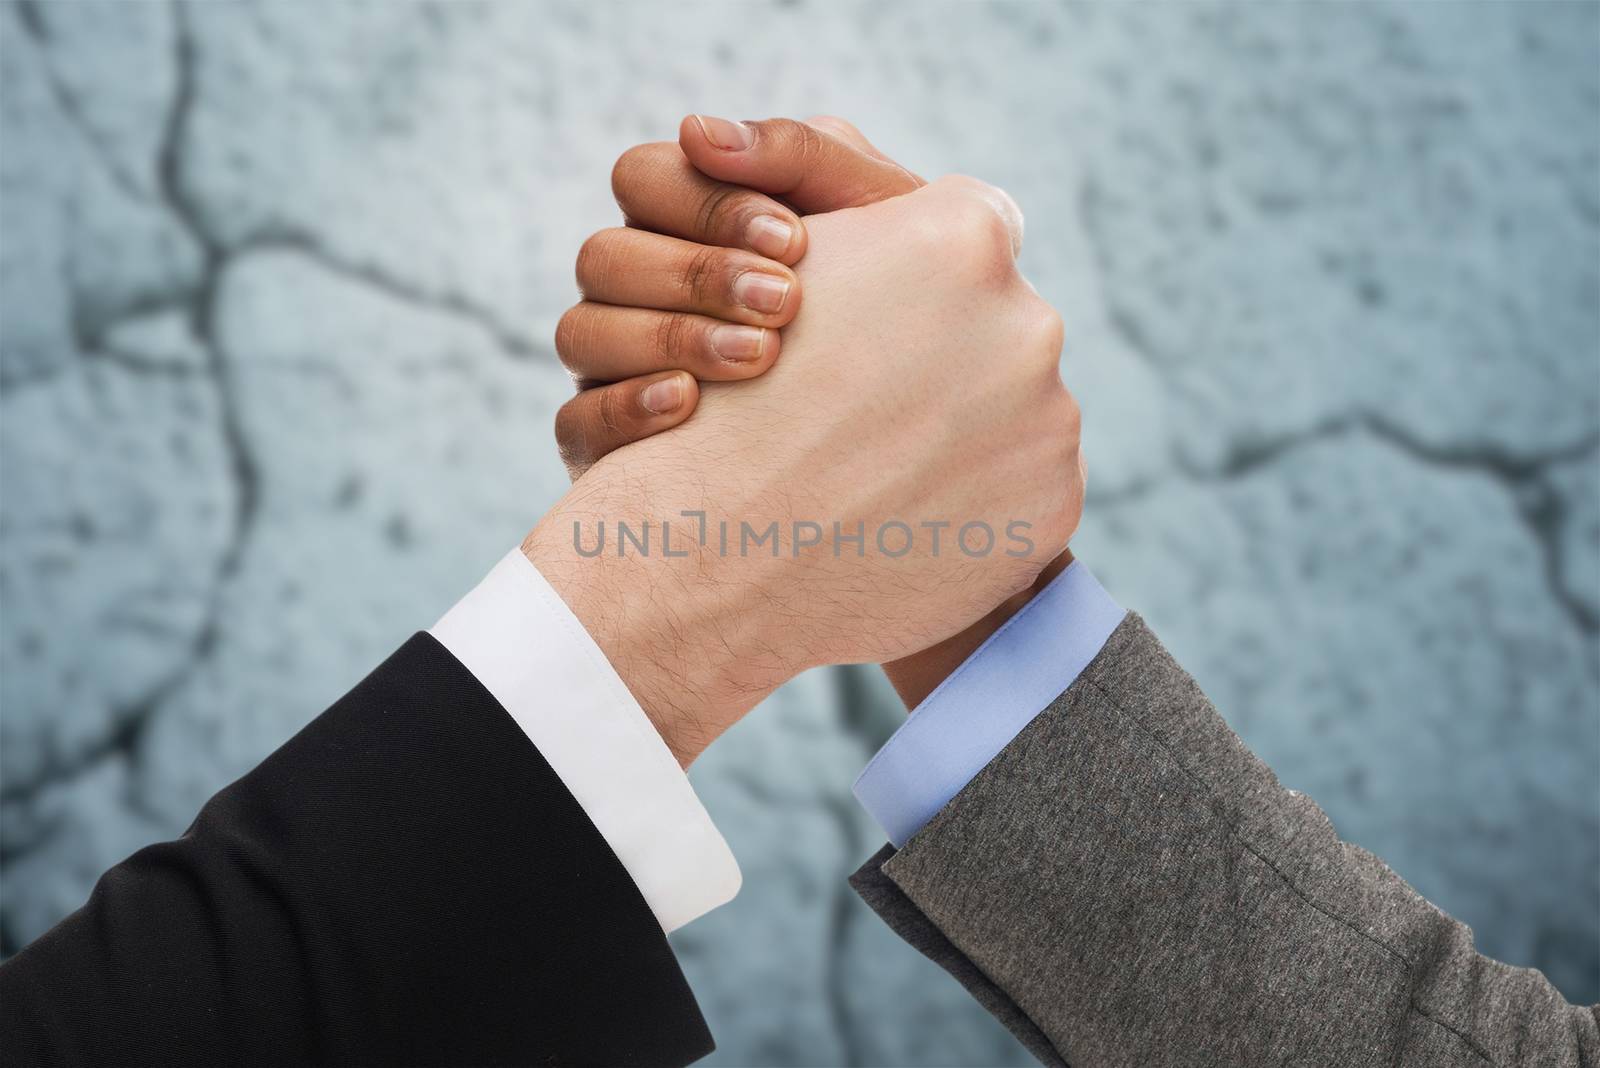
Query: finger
{"type": "Point", "coordinates": [604, 343]}
{"type": "Point", "coordinates": [658, 189]}
{"type": "Point", "coordinates": [846, 131]}
{"type": "Point", "coordinates": [811, 169]}
{"type": "Point", "coordinates": [600, 421]}
{"type": "Point", "coordinates": [645, 270]}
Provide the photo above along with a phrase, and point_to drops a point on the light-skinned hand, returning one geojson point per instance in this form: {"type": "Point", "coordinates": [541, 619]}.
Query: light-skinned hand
{"type": "Point", "coordinates": [918, 384]}
{"type": "Point", "coordinates": [818, 165]}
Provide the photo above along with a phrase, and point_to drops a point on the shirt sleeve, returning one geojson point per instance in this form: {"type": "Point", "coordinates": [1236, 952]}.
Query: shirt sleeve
{"type": "Point", "coordinates": [517, 637]}
{"type": "Point", "coordinates": [986, 702]}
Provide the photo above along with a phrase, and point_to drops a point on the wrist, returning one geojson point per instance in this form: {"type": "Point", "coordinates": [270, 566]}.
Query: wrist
{"type": "Point", "coordinates": [679, 640]}
{"type": "Point", "coordinates": [914, 677]}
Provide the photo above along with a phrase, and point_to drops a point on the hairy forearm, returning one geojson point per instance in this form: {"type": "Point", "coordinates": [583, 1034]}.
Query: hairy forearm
{"type": "Point", "coordinates": [680, 636]}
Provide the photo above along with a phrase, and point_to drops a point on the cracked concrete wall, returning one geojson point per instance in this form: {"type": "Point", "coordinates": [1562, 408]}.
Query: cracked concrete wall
{"type": "Point", "coordinates": [278, 289]}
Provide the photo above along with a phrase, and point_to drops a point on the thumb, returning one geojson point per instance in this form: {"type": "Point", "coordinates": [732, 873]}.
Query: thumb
{"type": "Point", "coordinates": [808, 166]}
{"type": "Point", "coordinates": [846, 131]}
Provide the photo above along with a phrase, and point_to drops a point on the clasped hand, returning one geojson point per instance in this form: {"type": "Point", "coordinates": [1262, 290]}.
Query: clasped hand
{"type": "Point", "coordinates": [876, 483]}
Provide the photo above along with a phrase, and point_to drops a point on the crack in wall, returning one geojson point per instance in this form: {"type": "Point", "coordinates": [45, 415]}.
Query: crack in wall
{"type": "Point", "coordinates": [201, 303]}
{"type": "Point", "coordinates": [131, 722]}
{"type": "Point", "coordinates": [140, 365]}
{"type": "Point", "coordinates": [89, 326]}
{"type": "Point", "coordinates": [37, 30]}
{"type": "Point", "coordinates": [90, 323]}
{"type": "Point", "coordinates": [450, 303]}
{"type": "Point", "coordinates": [1538, 501]}
{"type": "Point", "coordinates": [1539, 505]}
{"type": "Point", "coordinates": [91, 331]}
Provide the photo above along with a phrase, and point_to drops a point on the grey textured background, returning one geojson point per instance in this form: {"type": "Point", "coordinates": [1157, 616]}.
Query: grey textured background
{"type": "Point", "coordinates": [278, 289]}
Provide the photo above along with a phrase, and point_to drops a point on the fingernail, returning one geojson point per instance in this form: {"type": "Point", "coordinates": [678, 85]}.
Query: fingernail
{"type": "Point", "coordinates": [761, 292]}
{"type": "Point", "coordinates": [738, 343]}
{"type": "Point", "coordinates": [769, 235]}
{"type": "Point", "coordinates": [725, 134]}
{"type": "Point", "coordinates": [663, 396]}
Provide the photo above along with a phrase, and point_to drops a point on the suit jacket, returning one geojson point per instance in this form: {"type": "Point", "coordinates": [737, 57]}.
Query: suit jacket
{"type": "Point", "coordinates": [1126, 884]}
{"type": "Point", "coordinates": [404, 882]}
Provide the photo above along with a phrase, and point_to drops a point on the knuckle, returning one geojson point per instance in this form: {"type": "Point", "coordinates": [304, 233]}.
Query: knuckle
{"type": "Point", "coordinates": [641, 173]}
{"type": "Point", "coordinates": [1071, 417]}
{"type": "Point", "coordinates": [833, 124]}
{"type": "Point", "coordinates": [630, 166]}
{"type": "Point", "coordinates": [982, 217]}
{"type": "Point", "coordinates": [985, 229]}
{"type": "Point", "coordinates": [700, 273]}
{"type": "Point", "coordinates": [1072, 499]}
{"type": "Point", "coordinates": [1064, 508]}
{"type": "Point", "coordinates": [981, 240]}
{"type": "Point", "coordinates": [569, 329]}
{"type": "Point", "coordinates": [592, 257]}
{"type": "Point", "coordinates": [1067, 429]}
{"type": "Point", "coordinates": [1047, 334]}
{"type": "Point", "coordinates": [958, 184]}
{"type": "Point", "coordinates": [667, 339]}
{"type": "Point", "coordinates": [796, 143]}
{"type": "Point", "coordinates": [806, 142]}
{"type": "Point", "coordinates": [610, 417]}
{"type": "Point", "coordinates": [570, 439]}
{"type": "Point", "coordinates": [718, 210]}
{"type": "Point", "coordinates": [1067, 514]}
{"type": "Point", "coordinates": [1059, 469]}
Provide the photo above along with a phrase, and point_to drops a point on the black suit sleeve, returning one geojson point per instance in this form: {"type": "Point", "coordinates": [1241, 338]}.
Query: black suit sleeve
{"type": "Point", "coordinates": [406, 881]}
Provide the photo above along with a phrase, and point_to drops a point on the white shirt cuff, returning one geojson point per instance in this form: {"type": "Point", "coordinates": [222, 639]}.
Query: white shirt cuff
{"type": "Point", "coordinates": [516, 635]}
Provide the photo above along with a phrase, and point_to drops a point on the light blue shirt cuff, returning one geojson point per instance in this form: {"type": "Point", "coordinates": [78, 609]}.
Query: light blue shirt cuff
{"type": "Point", "coordinates": [986, 702]}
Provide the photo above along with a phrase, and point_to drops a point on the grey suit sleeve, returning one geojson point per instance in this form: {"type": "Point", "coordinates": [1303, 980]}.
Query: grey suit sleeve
{"type": "Point", "coordinates": [1126, 884]}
